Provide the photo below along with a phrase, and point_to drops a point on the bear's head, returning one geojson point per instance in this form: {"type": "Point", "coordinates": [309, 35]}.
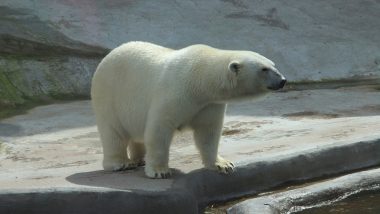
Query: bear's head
{"type": "Point", "coordinates": [251, 74]}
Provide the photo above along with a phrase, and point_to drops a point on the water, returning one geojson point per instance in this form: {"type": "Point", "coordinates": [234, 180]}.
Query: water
{"type": "Point", "coordinates": [362, 203]}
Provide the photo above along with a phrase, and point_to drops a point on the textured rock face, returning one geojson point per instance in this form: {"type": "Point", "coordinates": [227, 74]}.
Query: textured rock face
{"type": "Point", "coordinates": [38, 61]}
{"type": "Point", "coordinates": [308, 40]}
{"type": "Point", "coordinates": [35, 78]}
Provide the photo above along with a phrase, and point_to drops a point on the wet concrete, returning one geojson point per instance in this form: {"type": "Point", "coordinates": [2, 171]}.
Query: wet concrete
{"type": "Point", "coordinates": [323, 194]}
{"type": "Point", "coordinates": [367, 202]}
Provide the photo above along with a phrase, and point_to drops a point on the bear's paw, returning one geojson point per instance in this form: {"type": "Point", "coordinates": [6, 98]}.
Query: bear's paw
{"type": "Point", "coordinates": [157, 172]}
{"type": "Point", "coordinates": [224, 166]}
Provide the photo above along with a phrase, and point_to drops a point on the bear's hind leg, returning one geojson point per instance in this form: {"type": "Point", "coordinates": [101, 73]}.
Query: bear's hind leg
{"type": "Point", "coordinates": [115, 157]}
{"type": "Point", "coordinates": [158, 138]}
{"type": "Point", "coordinates": [136, 153]}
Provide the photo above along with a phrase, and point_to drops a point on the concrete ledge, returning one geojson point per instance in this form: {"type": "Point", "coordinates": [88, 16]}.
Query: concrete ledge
{"type": "Point", "coordinates": [92, 201]}
{"type": "Point", "coordinates": [261, 176]}
{"type": "Point", "coordinates": [191, 192]}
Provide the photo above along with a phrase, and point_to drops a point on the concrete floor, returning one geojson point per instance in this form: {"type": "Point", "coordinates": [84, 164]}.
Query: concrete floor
{"type": "Point", "coordinates": [57, 146]}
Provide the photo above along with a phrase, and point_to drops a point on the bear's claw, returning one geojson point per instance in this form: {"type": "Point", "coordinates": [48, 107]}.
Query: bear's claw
{"type": "Point", "coordinates": [120, 166]}
{"type": "Point", "coordinates": [162, 175]}
{"type": "Point", "coordinates": [125, 166]}
{"type": "Point", "coordinates": [224, 166]}
{"type": "Point", "coordinates": [141, 163]}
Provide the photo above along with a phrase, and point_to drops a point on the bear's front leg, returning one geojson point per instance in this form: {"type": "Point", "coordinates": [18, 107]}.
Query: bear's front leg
{"type": "Point", "coordinates": [207, 142]}
{"type": "Point", "coordinates": [207, 126]}
{"type": "Point", "coordinates": [158, 137]}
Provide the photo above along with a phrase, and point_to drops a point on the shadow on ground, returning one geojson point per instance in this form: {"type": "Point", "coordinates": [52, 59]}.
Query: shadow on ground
{"type": "Point", "coordinates": [125, 180]}
{"type": "Point", "coordinates": [8, 130]}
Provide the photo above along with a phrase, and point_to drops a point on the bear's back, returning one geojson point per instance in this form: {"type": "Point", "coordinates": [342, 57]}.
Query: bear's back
{"type": "Point", "coordinates": [144, 50]}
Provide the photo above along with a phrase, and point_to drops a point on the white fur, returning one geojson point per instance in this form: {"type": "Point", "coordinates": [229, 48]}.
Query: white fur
{"type": "Point", "coordinates": [143, 93]}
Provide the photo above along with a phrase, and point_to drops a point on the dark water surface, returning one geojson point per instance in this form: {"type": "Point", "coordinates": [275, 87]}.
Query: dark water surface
{"type": "Point", "coordinates": [362, 203]}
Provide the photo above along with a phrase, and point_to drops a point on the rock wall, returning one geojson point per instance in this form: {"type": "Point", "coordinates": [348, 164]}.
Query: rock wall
{"type": "Point", "coordinates": [52, 46]}
{"type": "Point", "coordinates": [38, 62]}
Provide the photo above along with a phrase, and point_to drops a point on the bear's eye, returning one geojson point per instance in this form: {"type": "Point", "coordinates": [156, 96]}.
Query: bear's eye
{"type": "Point", "coordinates": [265, 69]}
{"type": "Point", "coordinates": [235, 66]}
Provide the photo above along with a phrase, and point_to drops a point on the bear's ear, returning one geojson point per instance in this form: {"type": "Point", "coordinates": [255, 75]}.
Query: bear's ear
{"type": "Point", "coordinates": [234, 67]}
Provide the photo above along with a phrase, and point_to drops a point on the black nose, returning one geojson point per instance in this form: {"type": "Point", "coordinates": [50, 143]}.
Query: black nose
{"type": "Point", "coordinates": [282, 83]}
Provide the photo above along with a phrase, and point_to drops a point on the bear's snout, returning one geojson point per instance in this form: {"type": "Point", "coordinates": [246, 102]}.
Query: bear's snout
{"type": "Point", "coordinates": [275, 80]}
{"type": "Point", "coordinates": [282, 83]}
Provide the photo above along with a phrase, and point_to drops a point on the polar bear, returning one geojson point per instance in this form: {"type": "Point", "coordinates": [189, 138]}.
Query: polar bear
{"type": "Point", "coordinates": [143, 93]}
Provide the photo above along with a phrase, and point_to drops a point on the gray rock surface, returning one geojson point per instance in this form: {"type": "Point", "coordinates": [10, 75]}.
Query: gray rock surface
{"type": "Point", "coordinates": [308, 40]}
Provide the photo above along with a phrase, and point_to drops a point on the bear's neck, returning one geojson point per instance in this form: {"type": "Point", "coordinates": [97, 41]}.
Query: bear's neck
{"type": "Point", "coordinates": [210, 86]}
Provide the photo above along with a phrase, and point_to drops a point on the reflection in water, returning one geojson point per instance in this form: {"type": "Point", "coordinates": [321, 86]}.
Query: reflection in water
{"type": "Point", "coordinates": [364, 203]}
